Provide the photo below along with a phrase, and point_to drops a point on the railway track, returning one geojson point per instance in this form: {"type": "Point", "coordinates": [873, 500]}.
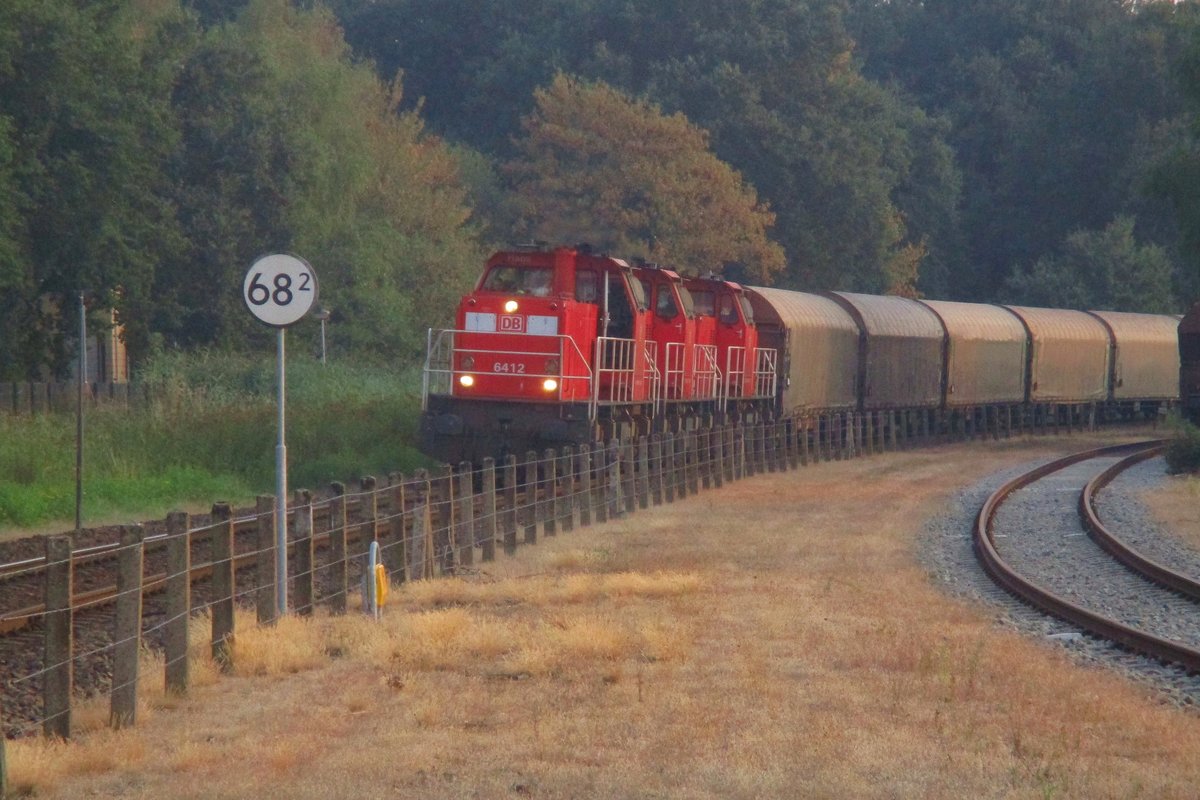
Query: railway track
{"type": "Point", "coordinates": [1057, 555]}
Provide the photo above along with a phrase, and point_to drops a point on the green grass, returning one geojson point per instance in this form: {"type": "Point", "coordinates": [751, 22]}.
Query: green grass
{"type": "Point", "coordinates": [209, 434]}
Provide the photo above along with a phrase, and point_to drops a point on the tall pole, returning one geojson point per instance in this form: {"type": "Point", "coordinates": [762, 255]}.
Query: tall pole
{"type": "Point", "coordinates": [322, 341]}
{"type": "Point", "coordinates": [79, 415]}
{"type": "Point", "coordinates": [281, 576]}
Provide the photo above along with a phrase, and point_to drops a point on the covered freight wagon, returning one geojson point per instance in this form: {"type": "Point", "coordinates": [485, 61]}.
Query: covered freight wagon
{"type": "Point", "coordinates": [817, 343]}
{"type": "Point", "coordinates": [986, 348]}
{"type": "Point", "coordinates": [1144, 362]}
{"type": "Point", "coordinates": [1069, 355]}
{"type": "Point", "coordinates": [900, 351]}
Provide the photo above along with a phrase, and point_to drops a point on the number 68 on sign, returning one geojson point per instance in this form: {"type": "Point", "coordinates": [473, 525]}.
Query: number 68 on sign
{"type": "Point", "coordinates": [280, 289]}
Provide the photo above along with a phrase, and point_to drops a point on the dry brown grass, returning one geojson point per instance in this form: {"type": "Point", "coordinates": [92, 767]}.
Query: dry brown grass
{"type": "Point", "coordinates": [1177, 507]}
{"type": "Point", "coordinates": [758, 641]}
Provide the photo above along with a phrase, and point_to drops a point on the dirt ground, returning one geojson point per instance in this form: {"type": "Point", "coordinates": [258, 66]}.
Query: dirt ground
{"type": "Point", "coordinates": [774, 638]}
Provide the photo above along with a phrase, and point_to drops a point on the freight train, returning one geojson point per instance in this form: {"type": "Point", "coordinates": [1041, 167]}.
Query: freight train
{"type": "Point", "coordinates": [569, 346]}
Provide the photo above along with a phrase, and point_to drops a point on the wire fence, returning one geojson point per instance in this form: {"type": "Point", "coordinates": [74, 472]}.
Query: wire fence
{"type": "Point", "coordinates": [429, 524]}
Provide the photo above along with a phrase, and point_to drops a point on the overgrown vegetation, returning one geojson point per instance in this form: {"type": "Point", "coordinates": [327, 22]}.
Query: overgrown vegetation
{"type": "Point", "coordinates": [1183, 451]}
{"type": "Point", "coordinates": [208, 434]}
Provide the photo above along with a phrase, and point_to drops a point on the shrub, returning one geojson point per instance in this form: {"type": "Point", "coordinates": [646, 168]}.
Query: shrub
{"type": "Point", "coordinates": [1183, 451]}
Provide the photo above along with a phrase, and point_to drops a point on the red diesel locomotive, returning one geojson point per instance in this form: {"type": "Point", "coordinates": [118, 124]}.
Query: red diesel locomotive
{"type": "Point", "coordinates": [569, 346]}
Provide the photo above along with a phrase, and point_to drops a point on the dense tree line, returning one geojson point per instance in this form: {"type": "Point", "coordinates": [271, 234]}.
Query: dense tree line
{"type": "Point", "coordinates": [150, 152]}
{"type": "Point", "coordinates": [1038, 151]}
{"type": "Point", "coordinates": [960, 148]}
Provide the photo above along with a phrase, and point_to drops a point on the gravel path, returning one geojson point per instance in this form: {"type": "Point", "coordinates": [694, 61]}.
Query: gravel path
{"type": "Point", "coordinates": [1058, 551]}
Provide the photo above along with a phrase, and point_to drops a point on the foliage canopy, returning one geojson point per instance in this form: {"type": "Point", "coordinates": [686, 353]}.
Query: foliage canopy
{"type": "Point", "coordinates": [597, 166]}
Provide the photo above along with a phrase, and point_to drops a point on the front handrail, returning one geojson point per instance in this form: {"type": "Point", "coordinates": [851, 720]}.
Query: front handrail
{"type": "Point", "coordinates": [440, 373]}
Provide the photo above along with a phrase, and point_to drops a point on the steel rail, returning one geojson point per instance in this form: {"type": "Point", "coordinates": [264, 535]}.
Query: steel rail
{"type": "Point", "coordinates": [97, 552]}
{"type": "Point", "coordinates": [1122, 552]}
{"type": "Point", "coordinates": [1053, 604]}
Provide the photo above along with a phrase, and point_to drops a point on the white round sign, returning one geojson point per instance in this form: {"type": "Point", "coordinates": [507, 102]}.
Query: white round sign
{"type": "Point", "coordinates": [280, 289]}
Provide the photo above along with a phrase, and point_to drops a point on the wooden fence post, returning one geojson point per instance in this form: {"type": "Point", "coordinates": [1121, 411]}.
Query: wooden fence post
{"type": "Point", "coordinates": [395, 553]}
{"type": "Point", "coordinates": [567, 478]}
{"type": "Point", "coordinates": [487, 534]}
{"type": "Point", "coordinates": [694, 455]}
{"type": "Point", "coordinates": [667, 473]}
{"type": "Point", "coordinates": [512, 515]}
{"type": "Point", "coordinates": [265, 601]}
{"type": "Point", "coordinates": [529, 506]}
{"type": "Point", "coordinates": [643, 455]}
{"type": "Point", "coordinates": [421, 523]}
{"type": "Point", "coordinates": [550, 496]}
{"type": "Point", "coordinates": [612, 489]}
{"type": "Point", "coordinates": [705, 462]}
{"type": "Point", "coordinates": [441, 509]}
{"type": "Point", "coordinates": [628, 481]}
{"type": "Point", "coordinates": [369, 513]}
{"type": "Point", "coordinates": [419, 567]}
{"type": "Point", "coordinates": [583, 458]}
{"type": "Point", "coordinates": [337, 549]}
{"type": "Point", "coordinates": [58, 684]}
{"type": "Point", "coordinates": [423, 534]}
{"type": "Point", "coordinates": [656, 469]}
{"type": "Point", "coordinates": [127, 633]}
{"type": "Point", "coordinates": [718, 456]}
{"type": "Point", "coordinates": [303, 601]}
{"type": "Point", "coordinates": [466, 515]}
{"type": "Point", "coordinates": [598, 498]}
{"type": "Point", "coordinates": [179, 602]}
{"type": "Point", "coordinates": [770, 446]}
{"type": "Point", "coordinates": [727, 452]}
{"type": "Point", "coordinates": [221, 549]}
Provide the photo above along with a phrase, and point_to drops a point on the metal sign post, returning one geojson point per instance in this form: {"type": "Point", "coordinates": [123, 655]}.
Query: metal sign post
{"type": "Point", "coordinates": [280, 290]}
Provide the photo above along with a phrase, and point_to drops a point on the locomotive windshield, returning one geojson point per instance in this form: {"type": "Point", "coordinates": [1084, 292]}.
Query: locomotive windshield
{"type": "Point", "coordinates": [519, 280]}
{"type": "Point", "coordinates": [704, 302]}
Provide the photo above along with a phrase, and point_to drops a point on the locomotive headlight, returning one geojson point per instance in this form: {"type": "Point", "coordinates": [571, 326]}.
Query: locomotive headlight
{"type": "Point", "coordinates": [468, 362]}
{"type": "Point", "coordinates": [549, 384]}
{"type": "Point", "coordinates": [510, 306]}
{"type": "Point", "coordinates": [552, 366]}
{"type": "Point", "coordinates": [466, 381]}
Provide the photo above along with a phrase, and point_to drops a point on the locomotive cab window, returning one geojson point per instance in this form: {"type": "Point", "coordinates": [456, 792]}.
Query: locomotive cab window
{"type": "Point", "coordinates": [704, 303]}
{"type": "Point", "coordinates": [747, 309]}
{"type": "Point", "coordinates": [727, 310]}
{"type": "Point", "coordinates": [587, 286]}
{"type": "Point", "coordinates": [640, 297]}
{"type": "Point", "coordinates": [534, 281]}
{"type": "Point", "coordinates": [664, 303]}
{"type": "Point", "coordinates": [689, 305]}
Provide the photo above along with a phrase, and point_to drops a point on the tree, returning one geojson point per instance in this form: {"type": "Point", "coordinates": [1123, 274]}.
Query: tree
{"type": "Point", "coordinates": [1052, 106]}
{"type": "Point", "coordinates": [232, 177]}
{"type": "Point", "coordinates": [1104, 269]}
{"type": "Point", "coordinates": [599, 166]}
{"type": "Point", "coordinates": [84, 133]}
{"type": "Point", "coordinates": [372, 201]}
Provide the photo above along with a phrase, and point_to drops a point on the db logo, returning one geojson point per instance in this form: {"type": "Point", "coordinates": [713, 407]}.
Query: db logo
{"type": "Point", "coordinates": [512, 323]}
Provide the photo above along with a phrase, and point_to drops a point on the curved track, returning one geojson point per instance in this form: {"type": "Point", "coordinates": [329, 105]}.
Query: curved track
{"type": "Point", "coordinates": [1136, 637]}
